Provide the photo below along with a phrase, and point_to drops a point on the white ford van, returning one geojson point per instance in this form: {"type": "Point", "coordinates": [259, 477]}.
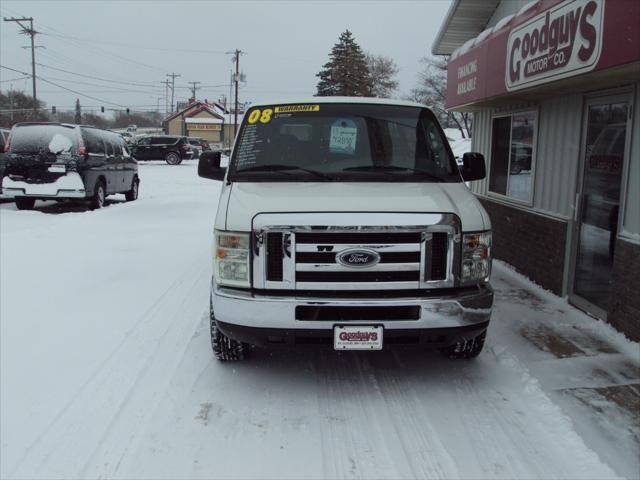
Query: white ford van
{"type": "Point", "coordinates": [346, 222]}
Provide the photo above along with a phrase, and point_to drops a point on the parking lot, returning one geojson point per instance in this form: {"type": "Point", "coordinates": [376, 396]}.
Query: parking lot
{"type": "Point", "coordinates": [107, 369]}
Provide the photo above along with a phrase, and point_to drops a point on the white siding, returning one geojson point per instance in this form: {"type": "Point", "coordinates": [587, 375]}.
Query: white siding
{"type": "Point", "coordinates": [557, 156]}
{"type": "Point", "coordinates": [556, 151]}
{"type": "Point", "coordinates": [631, 220]}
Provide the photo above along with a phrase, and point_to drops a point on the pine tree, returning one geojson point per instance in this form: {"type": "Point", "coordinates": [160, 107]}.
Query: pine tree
{"type": "Point", "coordinates": [78, 118]}
{"type": "Point", "coordinates": [347, 72]}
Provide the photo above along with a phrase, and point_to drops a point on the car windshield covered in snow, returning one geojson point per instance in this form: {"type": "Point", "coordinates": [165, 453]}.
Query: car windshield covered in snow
{"type": "Point", "coordinates": [43, 138]}
{"type": "Point", "coordinates": [342, 142]}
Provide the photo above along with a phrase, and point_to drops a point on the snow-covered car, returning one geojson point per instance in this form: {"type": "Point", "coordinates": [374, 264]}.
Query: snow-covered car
{"type": "Point", "coordinates": [57, 161]}
{"type": "Point", "coordinates": [347, 222]}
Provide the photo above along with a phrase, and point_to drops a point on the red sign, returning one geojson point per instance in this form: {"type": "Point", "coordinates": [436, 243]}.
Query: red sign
{"type": "Point", "coordinates": [555, 39]}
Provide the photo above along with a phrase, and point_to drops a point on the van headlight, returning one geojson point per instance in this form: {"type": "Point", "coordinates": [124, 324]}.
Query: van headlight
{"type": "Point", "coordinates": [231, 265]}
{"type": "Point", "coordinates": [476, 257]}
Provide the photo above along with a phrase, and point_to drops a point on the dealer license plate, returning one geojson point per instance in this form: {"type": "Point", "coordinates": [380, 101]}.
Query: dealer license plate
{"type": "Point", "coordinates": [357, 337]}
{"type": "Point", "coordinates": [57, 168]}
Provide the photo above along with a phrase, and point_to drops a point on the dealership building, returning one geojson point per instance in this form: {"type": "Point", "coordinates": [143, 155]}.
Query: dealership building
{"type": "Point", "coordinates": [554, 86]}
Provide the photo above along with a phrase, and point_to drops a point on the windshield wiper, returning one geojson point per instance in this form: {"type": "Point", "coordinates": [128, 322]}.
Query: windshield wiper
{"type": "Point", "coordinates": [275, 167]}
{"type": "Point", "coordinates": [392, 168]}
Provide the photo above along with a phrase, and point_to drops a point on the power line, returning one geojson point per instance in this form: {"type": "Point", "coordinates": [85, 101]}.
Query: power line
{"type": "Point", "coordinates": [150, 84]}
{"type": "Point", "coordinates": [68, 89]}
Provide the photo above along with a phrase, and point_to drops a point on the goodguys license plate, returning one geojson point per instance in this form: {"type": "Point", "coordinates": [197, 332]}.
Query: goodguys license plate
{"type": "Point", "coordinates": [357, 337]}
{"type": "Point", "coordinates": [57, 168]}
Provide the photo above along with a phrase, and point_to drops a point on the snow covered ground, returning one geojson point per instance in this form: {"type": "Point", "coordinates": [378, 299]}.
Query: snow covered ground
{"type": "Point", "coordinates": [107, 371]}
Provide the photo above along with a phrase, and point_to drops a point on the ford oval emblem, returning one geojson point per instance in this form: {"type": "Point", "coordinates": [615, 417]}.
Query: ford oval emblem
{"type": "Point", "coordinates": [358, 258]}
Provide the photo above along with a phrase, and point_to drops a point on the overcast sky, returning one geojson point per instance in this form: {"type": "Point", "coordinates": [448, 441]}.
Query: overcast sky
{"type": "Point", "coordinates": [130, 46]}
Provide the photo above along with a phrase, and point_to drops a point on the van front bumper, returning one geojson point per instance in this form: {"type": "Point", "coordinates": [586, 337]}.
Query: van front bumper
{"type": "Point", "coordinates": [269, 319]}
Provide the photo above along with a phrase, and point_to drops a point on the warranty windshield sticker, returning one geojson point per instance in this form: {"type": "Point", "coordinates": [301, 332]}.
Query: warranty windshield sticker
{"type": "Point", "coordinates": [344, 134]}
{"type": "Point", "coordinates": [297, 108]}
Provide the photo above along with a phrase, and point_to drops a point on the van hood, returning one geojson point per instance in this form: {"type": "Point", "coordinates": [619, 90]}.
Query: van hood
{"type": "Point", "coordinates": [243, 201]}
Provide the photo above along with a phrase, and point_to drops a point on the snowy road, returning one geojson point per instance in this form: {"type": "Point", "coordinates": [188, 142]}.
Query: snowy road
{"type": "Point", "coordinates": [107, 370]}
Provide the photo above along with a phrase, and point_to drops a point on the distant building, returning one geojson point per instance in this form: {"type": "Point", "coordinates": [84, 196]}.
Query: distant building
{"type": "Point", "coordinates": [554, 86]}
{"type": "Point", "coordinates": [198, 119]}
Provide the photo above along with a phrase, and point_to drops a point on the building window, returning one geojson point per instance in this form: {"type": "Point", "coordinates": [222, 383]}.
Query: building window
{"type": "Point", "coordinates": [512, 155]}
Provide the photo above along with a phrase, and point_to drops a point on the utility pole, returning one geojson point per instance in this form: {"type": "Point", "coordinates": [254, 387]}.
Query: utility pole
{"type": "Point", "coordinates": [236, 54]}
{"type": "Point", "coordinates": [32, 33]}
{"type": "Point", "coordinates": [194, 87]}
{"type": "Point", "coordinates": [166, 96]}
{"type": "Point", "coordinates": [173, 86]}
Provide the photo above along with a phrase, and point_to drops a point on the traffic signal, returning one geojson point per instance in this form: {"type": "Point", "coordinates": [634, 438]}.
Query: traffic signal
{"type": "Point", "coordinates": [53, 110]}
{"type": "Point", "coordinates": [102, 109]}
{"type": "Point", "coordinates": [127, 111]}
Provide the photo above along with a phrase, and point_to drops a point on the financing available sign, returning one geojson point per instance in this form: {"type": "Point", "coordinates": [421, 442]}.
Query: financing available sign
{"type": "Point", "coordinates": [560, 42]}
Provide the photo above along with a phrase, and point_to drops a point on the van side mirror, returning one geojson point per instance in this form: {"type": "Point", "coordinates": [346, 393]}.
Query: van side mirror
{"type": "Point", "coordinates": [209, 166]}
{"type": "Point", "coordinates": [473, 166]}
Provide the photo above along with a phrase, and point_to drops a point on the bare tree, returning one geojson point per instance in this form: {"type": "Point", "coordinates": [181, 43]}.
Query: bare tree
{"type": "Point", "coordinates": [432, 91]}
{"type": "Point", "coordinates": [382, 72]}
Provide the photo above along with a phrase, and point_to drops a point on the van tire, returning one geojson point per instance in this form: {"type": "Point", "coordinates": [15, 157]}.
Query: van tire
{"type": "Point", "coordinates": [465, 349]}
{"type": "Point", "coordinates": [132, 194]}
{"type": "Point", "coordinates": [99, 195]}
{"type": "Point", "coordinates": [172, 158]}
{"type": "Point", "coordinates": [224, 348]}
{"type": "Point", "coordinates": [25, 203]}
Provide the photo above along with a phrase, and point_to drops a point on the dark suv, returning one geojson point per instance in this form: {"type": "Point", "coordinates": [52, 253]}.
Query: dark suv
{"type": "Point", "coordinates": [172, 149]}
{"type": "Point", "coordinates": [4, 136]}
{"type": "Point", "coordinates": [56, 161]}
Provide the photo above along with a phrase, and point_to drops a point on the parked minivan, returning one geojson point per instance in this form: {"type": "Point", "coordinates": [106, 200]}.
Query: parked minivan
{"type": "Point", "coordinates": [57, 161]}
{"type": "Point", "coordinates": [346, 222]}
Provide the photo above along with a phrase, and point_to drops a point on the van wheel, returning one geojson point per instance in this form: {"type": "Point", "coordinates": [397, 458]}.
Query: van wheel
{"type": "Point", "coordinates": [172, 158]}
{"type": "Point", "coordinates": [467, 348]}
{"type": "Point", "coordinates": [224, 348]}
{"type": "Point", "coordinates": [99, 195]}
{"type": "Point", "coordinates": [25, 203]}
{"type": "Point", "coordinates": [132, 194]}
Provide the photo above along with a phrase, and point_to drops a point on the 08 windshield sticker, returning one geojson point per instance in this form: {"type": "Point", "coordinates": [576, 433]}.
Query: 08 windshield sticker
{"type": "Point", "coordinates": [266, 114]}
{"type": "Point", "coordinates": [344, 134]}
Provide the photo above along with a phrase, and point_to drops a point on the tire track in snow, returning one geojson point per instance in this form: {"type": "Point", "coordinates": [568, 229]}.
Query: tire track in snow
{"type": "Point", "coordinates": [359, 439]}
{"type": "Point", "coordinates": [420, 441]}
{"type": "Point", "coordinates": [66, 444]}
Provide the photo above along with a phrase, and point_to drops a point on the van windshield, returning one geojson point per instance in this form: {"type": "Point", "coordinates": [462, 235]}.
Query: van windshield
{"type": "Point", "coordinates": [342, 142]}
{"type": "Point", "coordinates": [55, 139]}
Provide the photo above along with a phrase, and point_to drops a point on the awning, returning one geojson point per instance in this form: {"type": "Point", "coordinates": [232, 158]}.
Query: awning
{"type": "Point", "coordinates": [549, 41]}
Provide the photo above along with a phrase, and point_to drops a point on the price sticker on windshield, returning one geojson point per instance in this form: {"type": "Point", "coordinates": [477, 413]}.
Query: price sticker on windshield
{"type": "Point", "coordinates": [344, 134]}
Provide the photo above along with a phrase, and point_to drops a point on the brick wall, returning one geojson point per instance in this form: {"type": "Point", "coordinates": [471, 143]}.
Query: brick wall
{"type": "Point", "coordinates": [624, 304]}
{"type": "Point", "coordinates": [532, 243]}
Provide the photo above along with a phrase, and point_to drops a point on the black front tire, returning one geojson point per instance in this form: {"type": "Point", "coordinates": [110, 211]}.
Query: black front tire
{"type": "Point", "coordinates": [25, 203]}
{"type": "Point", "coordinates": [224, 348]}
{"type": "Point", "coordinates": [172, 158]}
{"type": "Point", "coordinates": [132, 194]}
{"type": "Point", "coordinates": [99, 195]}
{"type": "Point", "coordinates": [466, 348]}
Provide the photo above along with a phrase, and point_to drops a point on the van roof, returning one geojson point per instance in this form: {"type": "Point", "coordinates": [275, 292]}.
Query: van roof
{"type": "Point", "coordinates": [355, 100]}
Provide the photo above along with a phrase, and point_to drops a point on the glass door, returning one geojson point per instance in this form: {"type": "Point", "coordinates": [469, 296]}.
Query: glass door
{"type": "Point", "coordinates": [596, 227]}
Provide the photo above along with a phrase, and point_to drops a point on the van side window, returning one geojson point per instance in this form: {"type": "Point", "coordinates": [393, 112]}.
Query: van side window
{"type": "Point", "coordinates": [93, 141]}
{"type": "Point", "coordinates": [161, 141]}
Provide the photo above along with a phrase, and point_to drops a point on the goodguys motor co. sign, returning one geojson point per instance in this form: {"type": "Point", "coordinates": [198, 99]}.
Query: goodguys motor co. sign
{"type": "Point", "coordinates": [558, 43]}
{"type": "Point", "coordinates": [552, 40]}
